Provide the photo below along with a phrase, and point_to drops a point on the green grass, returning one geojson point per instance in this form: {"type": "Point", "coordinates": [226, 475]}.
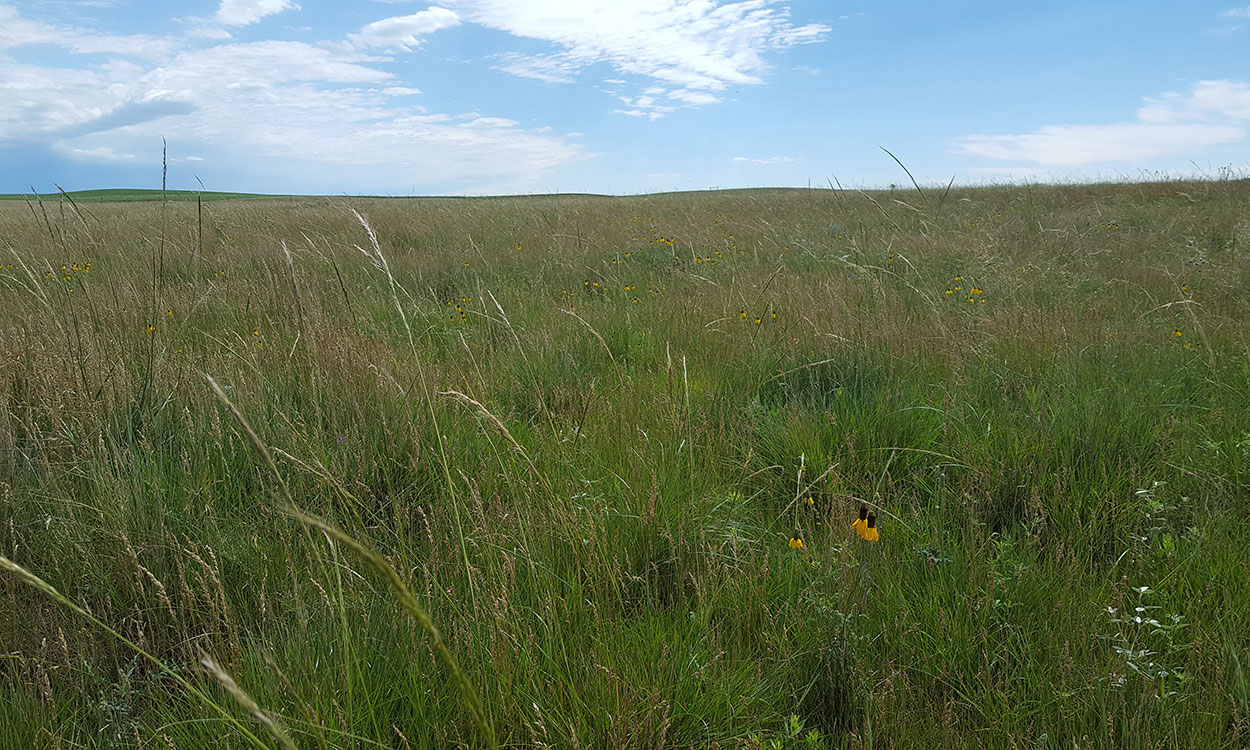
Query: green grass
{"type": "Point", "coordinates": [600, 535]}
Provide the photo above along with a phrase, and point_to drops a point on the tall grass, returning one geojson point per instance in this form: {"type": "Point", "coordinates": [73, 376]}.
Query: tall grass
{"type": "Point", "coordinates": [583, 502]}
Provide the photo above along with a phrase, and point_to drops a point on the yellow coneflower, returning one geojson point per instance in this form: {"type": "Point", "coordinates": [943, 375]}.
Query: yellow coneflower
{"type": "Point", "coordinates": [1177, 333]}
{"type": "Point", "coordinates": [811, 503]}
{"type": "Point", "coordinates": [870, 531]}
{"type": "Point", "coordinates": [796, 542]}
{"type": "Point", "coordinates": [861, 523]}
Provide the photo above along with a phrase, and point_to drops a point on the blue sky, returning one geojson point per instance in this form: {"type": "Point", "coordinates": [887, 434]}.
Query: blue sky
{"type": "Point", "coordinates": [614, 96]}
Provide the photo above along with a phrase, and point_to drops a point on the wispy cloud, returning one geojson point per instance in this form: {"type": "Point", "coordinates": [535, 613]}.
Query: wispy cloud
{"type": "Point", "coordinates": [404, 32]}
{"type": "Point", "coordinates": [1211, 114]}
{"type": "Point", "coordinates": [246, 12]}
{"type": "Point", "coordinates": [685, 46]}
{"type": "Point", "coordinates": [764, 162]}
{"type": "Point", "coordinates": [16, 31]}
{"type": "Point", "coordinates": [1232, 20]}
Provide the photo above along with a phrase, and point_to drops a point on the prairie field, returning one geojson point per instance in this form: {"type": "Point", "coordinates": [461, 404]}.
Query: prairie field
{"type": "Point", "coordinates": [580, 472]}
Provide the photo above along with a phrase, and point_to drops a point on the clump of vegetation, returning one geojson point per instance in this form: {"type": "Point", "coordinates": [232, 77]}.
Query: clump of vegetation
{"type": "Point", "coordinates": [588, 472]}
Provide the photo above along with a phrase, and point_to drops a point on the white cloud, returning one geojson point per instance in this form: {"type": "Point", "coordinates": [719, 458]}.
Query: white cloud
{"type": "Point", "coordinates": [404, 32]}
{"type": "Point", "coordinates": [690, 44]}
{"type": "Point", "coordinates": [16, 31]}
{"type": "Point", "coordinates": [1212, 114]}
{"type": "Point", "coordinates": [545, 68]}
{"type": "Point", "coordinates": [322, 116]}
{"type": "Point", "coordinates": [765, 162]}
{"type": "Point", "coordinates": [1078, 145]}
{"type": "Point", "coordinates": [1208, 99]}
{"type": "Point", "coordinates": [644, 106]}
{"type": "Point", "coordinates": [99, 154]}
{"type": "Point", "coordinates": [488, 122]}
{"type": "Point", "coordinates": [245, 12]}
{"type": "Point", "coordinates": [693, 97]}
{"type": "Point", "coordinates": [208, 31]}
{"type": "Point", "coordinates": [1237, 14]}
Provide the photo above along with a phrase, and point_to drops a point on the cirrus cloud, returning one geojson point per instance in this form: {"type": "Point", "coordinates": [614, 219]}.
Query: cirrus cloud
{"type": "Point", "coordinates": [689, 46]}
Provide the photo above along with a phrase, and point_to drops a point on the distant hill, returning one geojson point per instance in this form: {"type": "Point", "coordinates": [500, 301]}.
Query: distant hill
{"type": "Point", "coordinates": [117, 195]}
{"type": "Point", "coordinates": [128, 195]}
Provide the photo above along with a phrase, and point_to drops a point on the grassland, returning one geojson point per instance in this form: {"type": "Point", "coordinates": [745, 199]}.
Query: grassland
{"type": "Point", "coordinates": [600, 524]}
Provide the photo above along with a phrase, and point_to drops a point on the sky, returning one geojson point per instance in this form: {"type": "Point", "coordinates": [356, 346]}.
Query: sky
{"type": "Point", "coordinates": [470, 97]}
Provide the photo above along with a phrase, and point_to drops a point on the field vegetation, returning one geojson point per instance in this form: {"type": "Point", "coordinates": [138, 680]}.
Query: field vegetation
{"type": "Point", "coordinates": [613, 449]}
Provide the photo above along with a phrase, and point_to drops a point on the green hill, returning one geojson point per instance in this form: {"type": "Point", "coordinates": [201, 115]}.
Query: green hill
{"type": "Point", "coordinates": [124, 195]}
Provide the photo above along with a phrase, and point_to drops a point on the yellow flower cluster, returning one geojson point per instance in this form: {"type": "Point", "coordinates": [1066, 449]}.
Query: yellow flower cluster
{"type": "Point", "coordinates": [459, 309]}
{"type": "Point", "coordinates": [973, 294]}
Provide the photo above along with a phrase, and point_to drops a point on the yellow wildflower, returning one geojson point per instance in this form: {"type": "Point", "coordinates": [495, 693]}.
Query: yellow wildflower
{"type": "Point", "coordinates": [861, 523]}
{"type": "Point", "coordinates": [870, 531]}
